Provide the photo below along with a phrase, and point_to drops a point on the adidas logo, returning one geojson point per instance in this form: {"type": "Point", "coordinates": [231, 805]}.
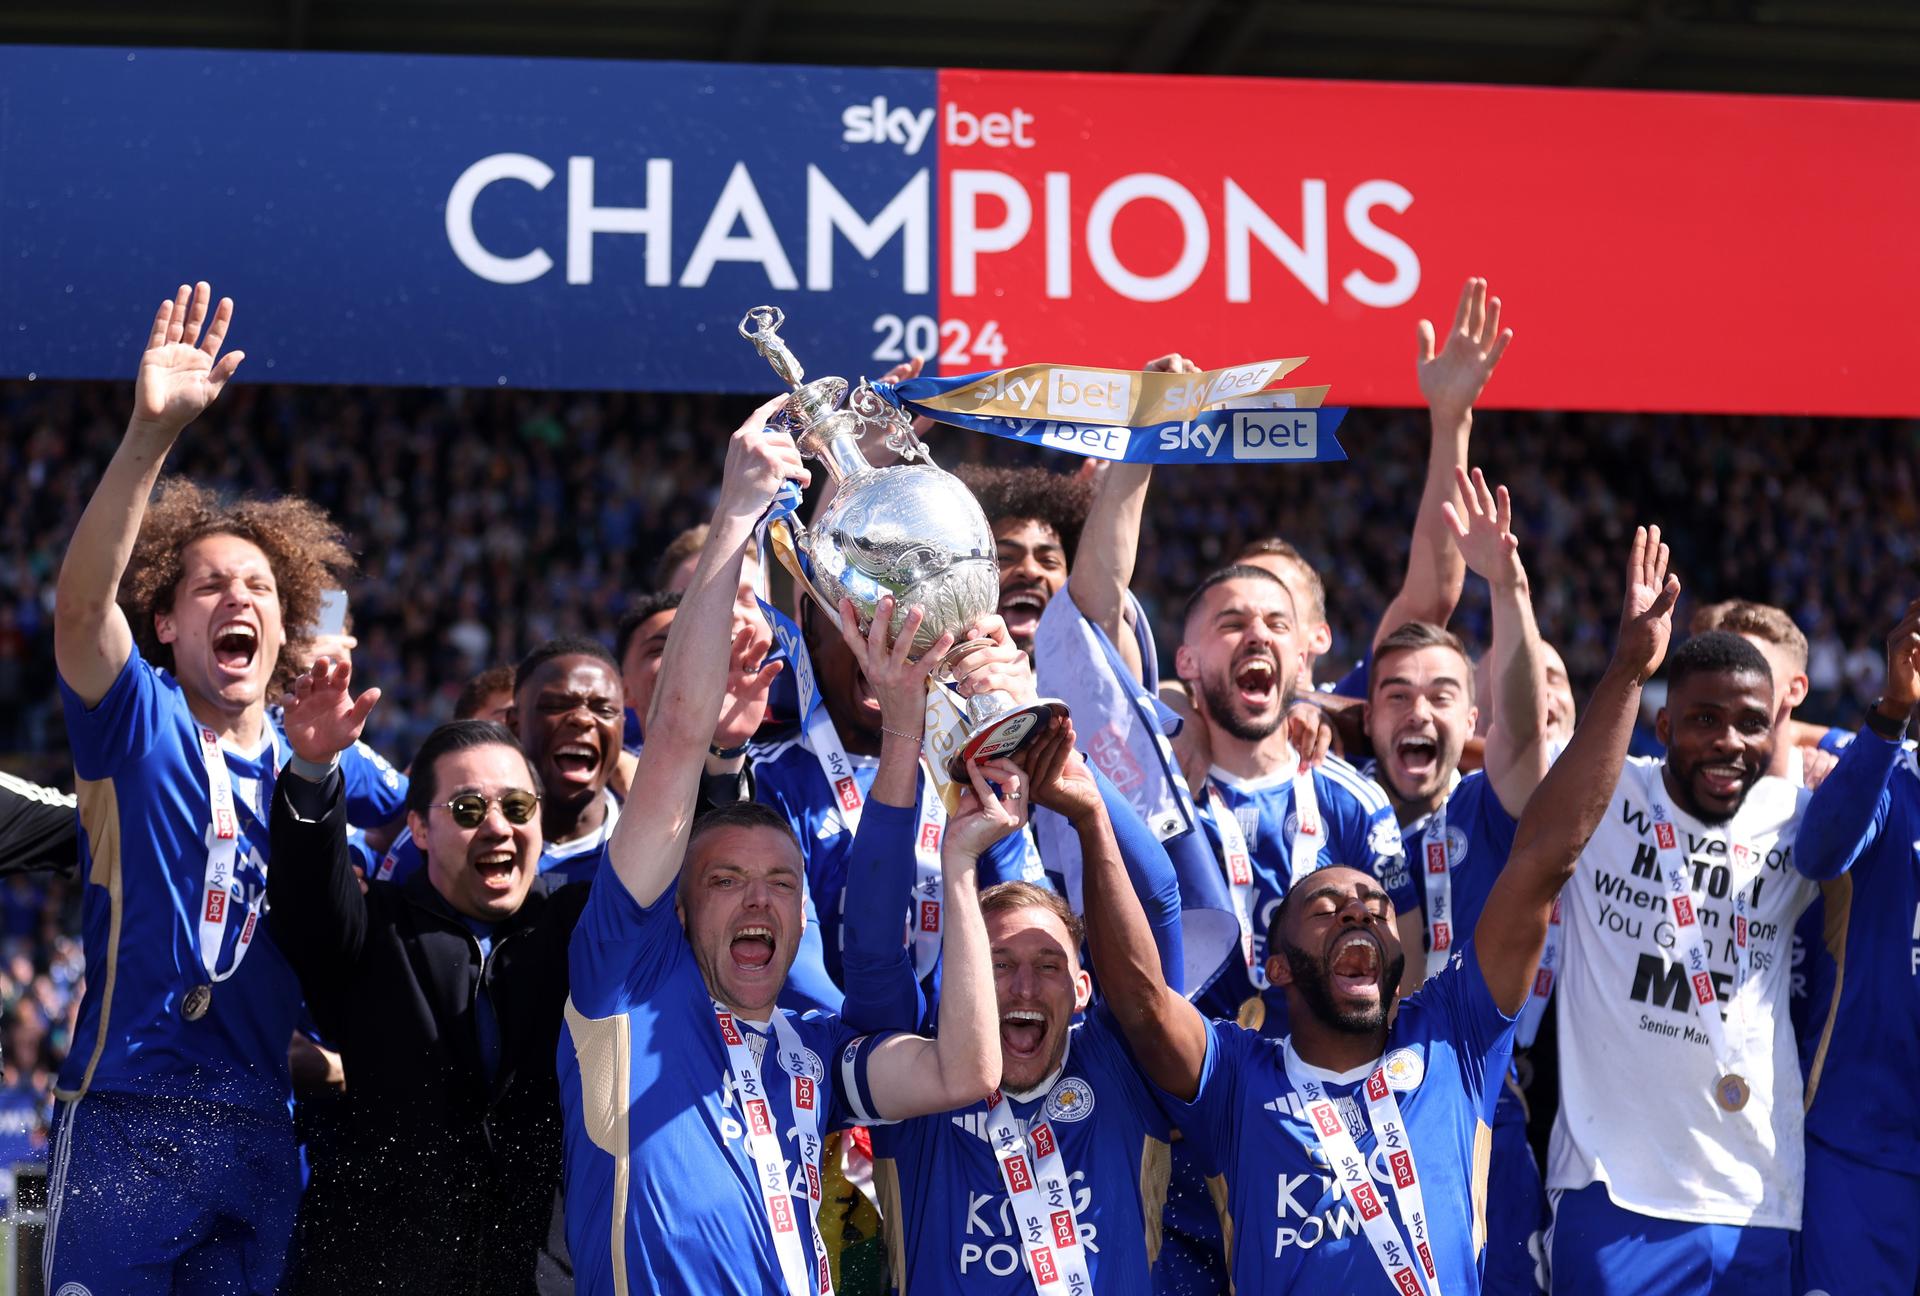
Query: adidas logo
{"type": "Point", "coordinates": [1289, 1104]}
{"type": "Point", "coordinates": [974, 1123]}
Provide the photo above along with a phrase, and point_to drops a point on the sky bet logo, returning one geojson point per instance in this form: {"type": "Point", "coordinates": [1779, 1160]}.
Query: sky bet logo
{"type": "Point", "coordinates": [1256, 436]}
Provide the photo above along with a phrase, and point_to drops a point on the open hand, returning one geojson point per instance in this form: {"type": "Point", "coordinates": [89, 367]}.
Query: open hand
{"type": "Point", "coordinates": [322, 718]}
{"type": "Point", "coordinates": [1485, 534]}
{"type": "Point", "coordinates": [1646, 617]}
{"type": "Point", "coordinates": [1453, 379]}
{"type": "Point", "coordinates": [899, 684]}
{"type": "Point", "coordinates": [182, 372]}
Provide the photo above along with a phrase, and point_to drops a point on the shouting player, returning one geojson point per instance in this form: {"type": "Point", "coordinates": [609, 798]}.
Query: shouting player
{"type": "Point", "coordinates": [695, 1108]}
{"type": "Point", "coordinates": [174, 1164]}
{"type": "Point", "coordinates": [1457, 831]}
{"type": "Point", "coordinates": [1353, 1152]}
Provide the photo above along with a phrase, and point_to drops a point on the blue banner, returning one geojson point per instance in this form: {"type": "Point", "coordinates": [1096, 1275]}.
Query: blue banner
{"type": "Point", "coordinates": [461, 221]}
{"type": "Point", "coordinates": [1277, 434]}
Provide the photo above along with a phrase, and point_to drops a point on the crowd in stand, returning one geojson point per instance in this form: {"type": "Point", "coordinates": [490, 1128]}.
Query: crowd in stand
{"type": "Point", "coordinates": [687, 955]}
{"type": "Point", "coordinates": [489, 521]}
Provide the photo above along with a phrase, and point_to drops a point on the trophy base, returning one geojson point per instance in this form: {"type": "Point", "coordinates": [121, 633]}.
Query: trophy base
{"type": "Point", "coordinates": [1003, 734]}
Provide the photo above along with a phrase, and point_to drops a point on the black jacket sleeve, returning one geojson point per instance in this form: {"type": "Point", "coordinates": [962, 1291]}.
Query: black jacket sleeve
{"type": "Point", "coordinates": [39, 829]}
{"type": "Point", "coordinates": [318, 913]}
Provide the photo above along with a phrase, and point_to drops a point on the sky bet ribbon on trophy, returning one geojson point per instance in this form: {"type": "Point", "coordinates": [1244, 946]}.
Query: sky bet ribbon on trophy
{"type": "Point", "coordinates": [1220, 416]}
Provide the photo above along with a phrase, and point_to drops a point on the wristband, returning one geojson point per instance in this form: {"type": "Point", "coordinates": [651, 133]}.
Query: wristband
{"type": "Point", "coordinates": [1879, 723]}
{"type": "Point", "coordinates": [726, 753]}
{"type": "Point", "coordinates": [313, 771]}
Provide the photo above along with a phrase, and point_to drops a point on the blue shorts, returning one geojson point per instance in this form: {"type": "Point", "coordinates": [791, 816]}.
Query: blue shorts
{"type": "Point", "coordinates": [1516, 1210]}
{"type": "Point", "coordinates": [1856, 1229]}
{"type": "Point", "coordinates": [168, 1195]}
{"type": "Point", "coordinates": [1600, 1249]}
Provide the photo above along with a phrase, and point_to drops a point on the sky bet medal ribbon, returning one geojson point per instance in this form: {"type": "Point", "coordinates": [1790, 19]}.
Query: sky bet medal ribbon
{"type": "Point", "coordinates": [1220, 416]}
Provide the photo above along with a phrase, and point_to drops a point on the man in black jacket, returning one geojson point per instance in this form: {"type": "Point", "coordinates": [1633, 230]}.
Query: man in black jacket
{"type": "Point", "coordinates": [443, 994]}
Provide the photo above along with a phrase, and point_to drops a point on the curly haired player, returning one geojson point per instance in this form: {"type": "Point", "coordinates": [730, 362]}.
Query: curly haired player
{"type": "Point", "coordinates": [174, 1164]}
{"type": "Point", "coordinates": [1036, 517]}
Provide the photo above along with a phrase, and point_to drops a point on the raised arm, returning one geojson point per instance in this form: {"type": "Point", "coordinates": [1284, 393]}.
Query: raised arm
{"type": "Point", "coordinates": [1110, 541]}
{"type": "Point", "coordinates": [911, 1075]}
{"type": "Point", "coordinates": [1576, 792]}
{"type": "Point", "coordinates": [1848, 811]}
{"type": "Point", "coordinates": [882, 991]}
{"type": "Point", "coordinates": [1515, 756]}
{"type": "Point", "coordinates": [314, 898]}
{"type": "Point", "coordinates": [181, 373]}
{"type": "Point", "coordinates": [1451, 381]}
{"type": "Point", "coordinates": [1167, 1034]}
{"type": "Point", "coordinates": [650, 839]}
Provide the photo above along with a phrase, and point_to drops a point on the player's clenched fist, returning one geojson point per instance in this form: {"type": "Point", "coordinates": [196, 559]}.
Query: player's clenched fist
{"type": "Point", "coordinates": [759, 460]}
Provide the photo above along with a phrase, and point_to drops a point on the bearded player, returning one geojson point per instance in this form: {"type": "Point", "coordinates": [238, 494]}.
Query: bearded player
{"type": "Point", "coordinates": [1397, 1105]}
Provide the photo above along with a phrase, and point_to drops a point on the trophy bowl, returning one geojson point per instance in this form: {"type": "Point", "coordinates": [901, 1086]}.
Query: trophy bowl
{"type": "Point", "coordinates": [912, 530]}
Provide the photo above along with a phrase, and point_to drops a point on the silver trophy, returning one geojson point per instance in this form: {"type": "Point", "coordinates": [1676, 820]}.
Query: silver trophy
{"type": "Point", "coordinates": [913, 531]}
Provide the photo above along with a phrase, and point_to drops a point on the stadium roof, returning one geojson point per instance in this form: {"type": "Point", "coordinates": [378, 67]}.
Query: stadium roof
{"type": "Point", "coordinates": [1868, 48]}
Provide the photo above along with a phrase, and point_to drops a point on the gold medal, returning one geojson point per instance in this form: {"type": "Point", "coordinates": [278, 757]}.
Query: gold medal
{"type": "Point", "coordinates": [194, 1006]}
{"type": "Point", "coordinates": [1731, 1092]}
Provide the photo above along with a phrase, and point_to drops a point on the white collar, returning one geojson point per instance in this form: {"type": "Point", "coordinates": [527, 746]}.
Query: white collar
{"type": "Point", "coordinates": [1299, 1066]}
{"type": "Point", "coordinates": [1264, 782]}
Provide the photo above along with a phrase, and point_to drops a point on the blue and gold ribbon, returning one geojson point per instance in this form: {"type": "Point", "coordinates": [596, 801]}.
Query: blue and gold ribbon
{"type": "Point", "coordinates": [1221, 416]}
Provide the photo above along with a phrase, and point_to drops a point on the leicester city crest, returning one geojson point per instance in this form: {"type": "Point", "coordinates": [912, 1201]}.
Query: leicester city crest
{"type": "Point", "coordinates": [1071, 1100]}
{"type": "Point", "coordinates": [1405, 1069]}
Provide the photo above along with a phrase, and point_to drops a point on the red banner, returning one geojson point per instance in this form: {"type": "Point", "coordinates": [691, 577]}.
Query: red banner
{"type": "Point", "coordinates": [1653, 251]}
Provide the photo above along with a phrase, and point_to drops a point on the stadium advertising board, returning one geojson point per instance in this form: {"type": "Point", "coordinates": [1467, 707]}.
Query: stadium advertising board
{"type": "Point", "coordinates": [580, 224]}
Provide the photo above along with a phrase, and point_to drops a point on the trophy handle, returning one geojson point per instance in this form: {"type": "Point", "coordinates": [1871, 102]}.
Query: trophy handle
{"type": "Point", "coordinates": [895, 424]}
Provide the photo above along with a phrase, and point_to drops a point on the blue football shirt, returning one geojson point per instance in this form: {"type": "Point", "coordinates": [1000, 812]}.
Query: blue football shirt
{"type": "Point", "coordinates": [1360, 832]}
{"type": "Point", "coordinates": [145, 815]}
{"type": "Point", "coordinates": [950, 1221]}
{"type": "Point", "coordinates": [661, 1190]}
{"type": "Point", "coordinates": [1447, 1049]}
{"type": "Point", "coordinates": [1861, 831]}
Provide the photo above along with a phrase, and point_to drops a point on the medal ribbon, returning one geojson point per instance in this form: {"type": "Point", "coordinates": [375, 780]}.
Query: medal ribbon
{"type": "Point", "coordinates": [1433, 850]}
{"type": "Point", "coordinates": [1529, 1028]}
{"type": "Point", "coordinates": [1692, 943]}
{"type": "Point", "coordinates": [223, 853]}
{"type": "Point", "coordinates": [1405, 1265]}
{"type": "Point", "coordinates": [765, 1142]}
{"type": "Point", "coordinates": [1237, 861]}
{"type": "Point", "coordinates": [1035, 1177]}
{"type": "Point", "coordinates": [1239, 869]}
{"type": "Point", "coordinates": [1304, 854]}
{"type": "Point", "coordinates": [927, 886]}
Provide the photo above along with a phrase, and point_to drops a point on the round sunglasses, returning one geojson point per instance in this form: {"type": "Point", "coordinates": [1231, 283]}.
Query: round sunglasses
{"type": "Point", "coordinates": [469, 809]}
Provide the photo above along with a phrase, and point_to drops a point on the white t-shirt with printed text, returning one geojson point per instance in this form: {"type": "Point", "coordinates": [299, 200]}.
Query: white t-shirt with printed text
{"type": "Point", "coordinates": [1636, 1068]}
